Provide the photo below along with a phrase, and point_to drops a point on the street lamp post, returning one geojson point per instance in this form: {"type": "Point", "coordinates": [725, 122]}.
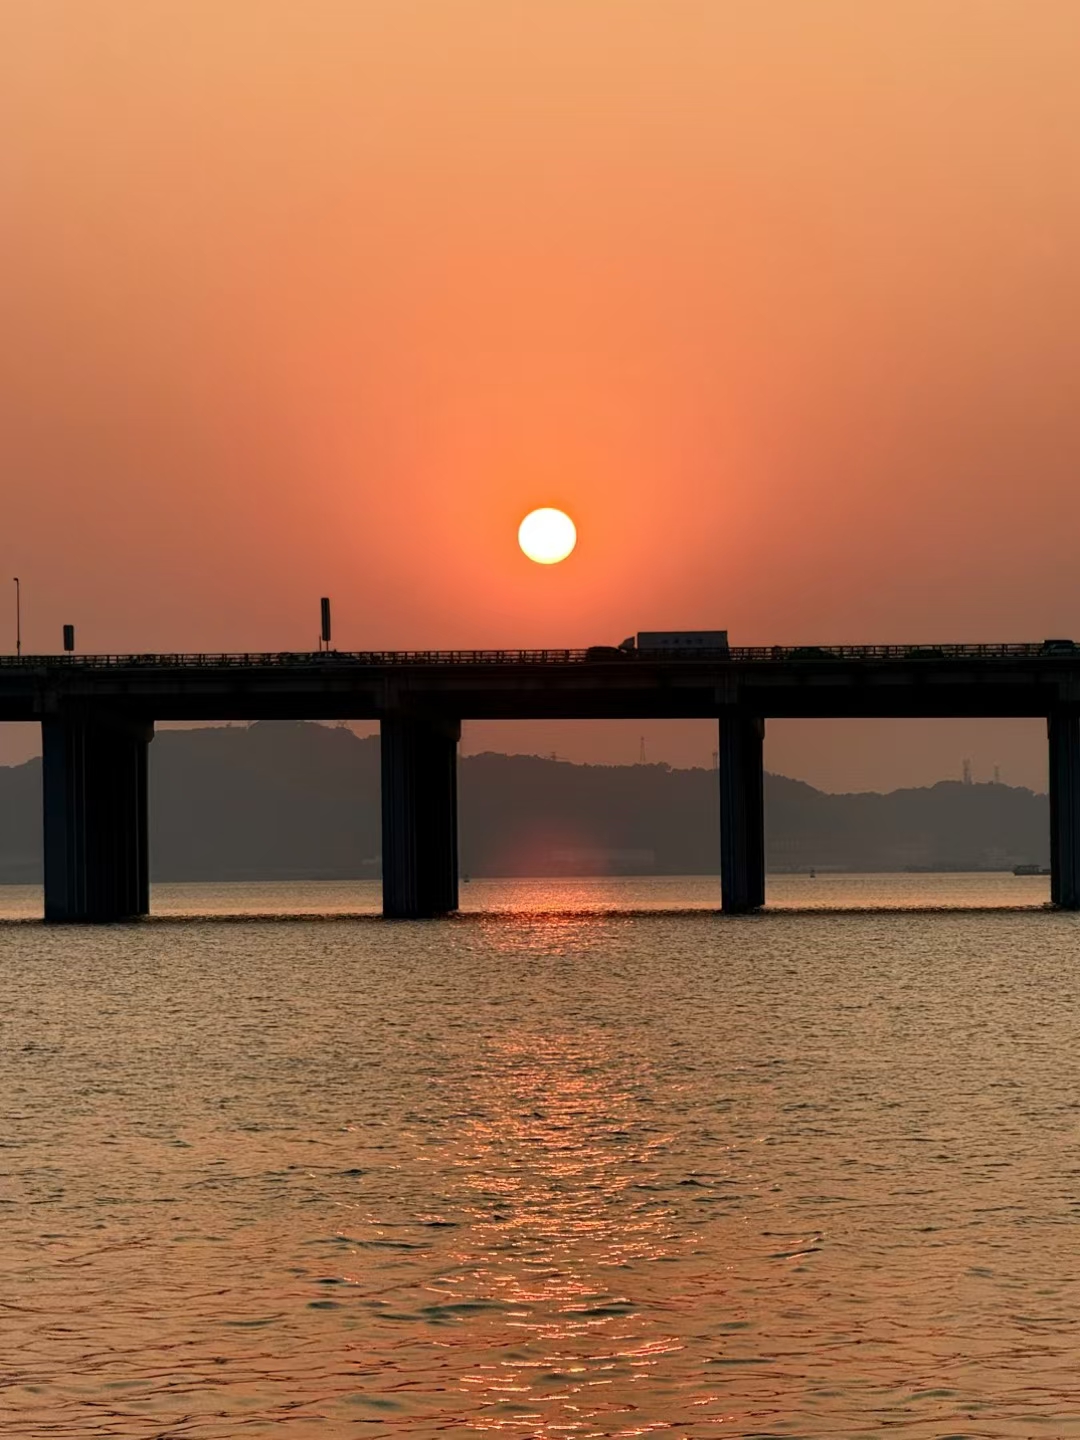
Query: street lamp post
{"type": "Point", "coordinates": [18, 617]}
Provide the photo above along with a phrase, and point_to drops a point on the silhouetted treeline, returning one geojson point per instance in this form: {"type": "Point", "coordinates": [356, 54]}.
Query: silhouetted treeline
{"type": "Point", "coordinates": [281, 801]}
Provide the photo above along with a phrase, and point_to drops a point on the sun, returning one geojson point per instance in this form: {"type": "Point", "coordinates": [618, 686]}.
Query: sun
{"type": "Point", "coordinates": [547, 536]}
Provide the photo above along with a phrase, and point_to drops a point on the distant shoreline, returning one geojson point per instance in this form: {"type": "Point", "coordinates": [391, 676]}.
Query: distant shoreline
{"type": "Point", "coordinates": [301, 801]}
{"type": "Point", "coordinates": [820, 872]}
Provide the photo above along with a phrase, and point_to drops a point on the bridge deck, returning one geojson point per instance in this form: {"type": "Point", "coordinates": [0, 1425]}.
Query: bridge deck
{"type": "Point", "coordinates": [768, 681]}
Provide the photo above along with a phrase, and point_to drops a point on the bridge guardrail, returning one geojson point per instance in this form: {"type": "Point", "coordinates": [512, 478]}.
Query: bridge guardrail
{"type": "Point", "coordinates": [736, 654]}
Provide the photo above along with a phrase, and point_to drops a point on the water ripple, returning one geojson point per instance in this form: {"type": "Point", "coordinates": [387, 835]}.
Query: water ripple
{"type": "Point", "coordinates": [545, 1175]}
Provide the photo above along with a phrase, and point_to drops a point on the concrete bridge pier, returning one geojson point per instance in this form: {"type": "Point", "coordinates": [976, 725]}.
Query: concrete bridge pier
{"type": "Point", "coordinates": [742, 812]}
{"type": "Point", "coordinates": [95, 813]}
{"type": "Point", "coordinates": [1064, 734]}
{"type": "Point", "coordinates": [419, 816]}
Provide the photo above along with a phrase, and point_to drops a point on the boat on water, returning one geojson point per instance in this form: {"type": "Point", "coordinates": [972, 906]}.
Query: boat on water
{"type": "Point", "coordinates": [1031, 869]}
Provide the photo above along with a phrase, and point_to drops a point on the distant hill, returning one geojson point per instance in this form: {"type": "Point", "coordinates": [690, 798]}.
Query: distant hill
{"type": "Point", "coordinates": [301, 801]}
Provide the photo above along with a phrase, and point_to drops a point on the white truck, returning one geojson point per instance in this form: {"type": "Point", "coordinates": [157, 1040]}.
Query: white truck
{"type": "Point", "coordinates": [678, 642]}
{"type": "Point", "coordinates": [665, 643]}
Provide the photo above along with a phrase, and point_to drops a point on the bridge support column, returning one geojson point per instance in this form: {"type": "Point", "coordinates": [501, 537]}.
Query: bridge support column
{"type": "Point", "coordinates": [419, 816]}
{"type": "Point", "coordinates": [742, 812]}
{"type": "Point", "coordinates": [1064, 735]}
{"type": "Point", "coordinates": [95, 813]}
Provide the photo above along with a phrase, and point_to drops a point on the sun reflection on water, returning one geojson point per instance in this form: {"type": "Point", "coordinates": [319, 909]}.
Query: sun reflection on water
{"type": "Point", "coordinates": [554, 1164]}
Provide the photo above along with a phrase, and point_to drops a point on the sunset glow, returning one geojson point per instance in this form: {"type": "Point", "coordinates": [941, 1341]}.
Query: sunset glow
{"type": "Point", "coordinates": [775, 299]}
{"type": "Point", "coordinates": [547, 536]}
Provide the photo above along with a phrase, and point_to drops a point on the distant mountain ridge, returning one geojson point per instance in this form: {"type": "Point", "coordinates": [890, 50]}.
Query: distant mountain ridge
{"type": "Point", "coordinates": [301, 801]}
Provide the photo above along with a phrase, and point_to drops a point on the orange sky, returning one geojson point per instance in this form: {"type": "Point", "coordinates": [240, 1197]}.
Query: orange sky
{"type": "Point", "coordinates": [778, 299]}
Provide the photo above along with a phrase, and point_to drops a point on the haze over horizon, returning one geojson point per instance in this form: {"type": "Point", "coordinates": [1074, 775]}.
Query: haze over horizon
{"type": "Point", "coordinates": [777, 301]}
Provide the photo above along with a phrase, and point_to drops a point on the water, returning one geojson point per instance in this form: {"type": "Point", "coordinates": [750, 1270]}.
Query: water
{"type": "Point", "coordinates": [552, 1170]}
{"type": "Point", "coordinates": [611, 894]}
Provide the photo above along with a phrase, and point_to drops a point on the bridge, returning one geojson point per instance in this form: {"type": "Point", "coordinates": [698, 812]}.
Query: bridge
{"type": "Point", "coordinates": [97, 715]}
